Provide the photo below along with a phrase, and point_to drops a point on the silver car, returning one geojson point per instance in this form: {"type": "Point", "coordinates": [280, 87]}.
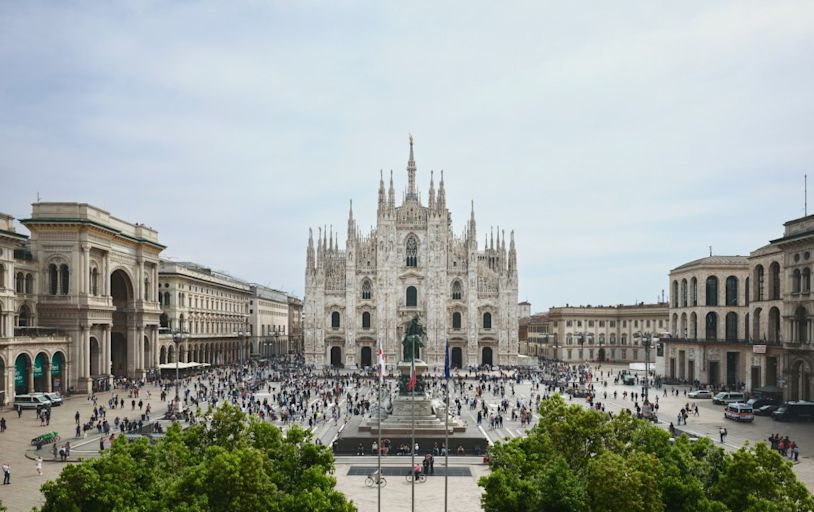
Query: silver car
{"type": "Point", "coordinates": [700, 393]}
{"type": "Point", "coordinates": [54, 398]}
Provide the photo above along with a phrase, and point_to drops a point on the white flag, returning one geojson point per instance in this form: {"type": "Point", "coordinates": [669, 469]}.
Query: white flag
{"type": "Point", "coordinates": [381, 365]}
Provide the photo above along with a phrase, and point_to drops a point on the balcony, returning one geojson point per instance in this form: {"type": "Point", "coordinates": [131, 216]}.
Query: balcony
{"type": "Point", "coordinates": [702, 341]}
{"type": "Point", "coordinates": [37, 332]}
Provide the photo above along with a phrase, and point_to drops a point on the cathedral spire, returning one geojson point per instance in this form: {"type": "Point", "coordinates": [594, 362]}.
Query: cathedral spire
{"type": "Point", "coordinates": [411, 193]}
{"type": "Point", "coordinates": [472, 227]}
{"type": "Point", "coordinates": [381, 193]}
{"type": "Point", "coordinates": [442, 195]}
{"type": "Point", "coordinates": [309, 262]}
{"type": "Point", "coordinates": [351, 224]}
{"type": "Point", "coordinates": [391, 199]}
{"type": "Point", "coordinates": [432, 190]}
{"type": "Point", "coordinates": [512, 256]}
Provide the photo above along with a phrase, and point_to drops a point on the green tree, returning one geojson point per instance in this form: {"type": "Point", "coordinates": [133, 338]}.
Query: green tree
{"type": "Point", "coordinates": [581, 459]}
{"type": "Point", "coordinates": [232, 462]}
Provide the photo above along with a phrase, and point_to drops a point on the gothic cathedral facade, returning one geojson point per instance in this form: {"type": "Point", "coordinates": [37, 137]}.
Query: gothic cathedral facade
{"type": "Point", "coordinates": [411, 263]}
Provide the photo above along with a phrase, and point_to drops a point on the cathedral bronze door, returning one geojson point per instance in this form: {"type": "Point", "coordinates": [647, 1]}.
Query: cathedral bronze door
{"type": "Point", "coordinates": [336, 357]}
{"type": "Point", "coordinates": [487, 356]}
{"type": "Point", "coordinates": [367, 357]}
{"type": "Point", "coordinates": [457, 358]}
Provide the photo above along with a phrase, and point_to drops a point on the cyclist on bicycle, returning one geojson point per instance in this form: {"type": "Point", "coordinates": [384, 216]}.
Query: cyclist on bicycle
{"type": "Point", "coordinates": [376, 476]}
{"type": "Point", "coordinates": [417, 471]}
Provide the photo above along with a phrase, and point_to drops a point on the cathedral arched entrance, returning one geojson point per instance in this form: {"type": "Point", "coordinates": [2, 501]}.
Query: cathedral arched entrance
{"type": "Point", "coordinates": [456, 358]}
{"type": "Point", "coordinates": [601, 355]}
{"type": "Point", "coordinates": [486, 356]}
{"type": "Point", "coordinates": [367, 357]}
{"type": "Point", "coordinates": [336, 357]}
{"type": "Point", "coordinates": [121, 289]}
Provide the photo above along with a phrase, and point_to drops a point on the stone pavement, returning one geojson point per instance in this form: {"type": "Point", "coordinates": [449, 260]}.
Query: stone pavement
{"type": "Point", "coordinates": [15, 443]}
{"type": "Point", "coordinates": [463, 494]}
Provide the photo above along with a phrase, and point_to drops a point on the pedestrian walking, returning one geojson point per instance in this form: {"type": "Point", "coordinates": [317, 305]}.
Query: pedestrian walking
{"type": "Point", "coordinates": [54, 450]}
{"type": "Point", "coordinates": [3, 424]}
{"type": "Point", "coordinates": [39, 465]}
{"type": "Point", "coordinates": [722, 433]}
{"type": "Point", "coordinates": [6, 474]}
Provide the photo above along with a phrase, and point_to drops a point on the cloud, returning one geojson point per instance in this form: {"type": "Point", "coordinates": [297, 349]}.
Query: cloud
{"type": "Point", "coordinates": [617, 140]}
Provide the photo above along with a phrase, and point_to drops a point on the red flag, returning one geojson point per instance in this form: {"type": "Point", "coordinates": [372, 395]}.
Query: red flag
{"type": "Point", "coordinates": [412, 382]}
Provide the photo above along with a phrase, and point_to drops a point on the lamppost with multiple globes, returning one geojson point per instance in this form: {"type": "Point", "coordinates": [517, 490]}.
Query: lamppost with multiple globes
{"type": "Point", "coordinates": [177, 338]}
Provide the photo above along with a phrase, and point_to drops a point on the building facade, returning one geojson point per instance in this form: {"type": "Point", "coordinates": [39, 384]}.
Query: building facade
{"type": "Point", "coordinates": [709, 320]}
{"type": "Point", "coordinates": [210, 308]}
{"type": "Point", "coordinates": [597, 333]}
{"type": "Point", "coordinates": [79, 299]}
{"type": "Point", "coordinates": [411, 263]}
{"type": "Point", "coordinates": [269, 319]}
{"type": "Point", "coordinates": [753, 330]}
{"type": "Point", "coordinates": [295, 336]}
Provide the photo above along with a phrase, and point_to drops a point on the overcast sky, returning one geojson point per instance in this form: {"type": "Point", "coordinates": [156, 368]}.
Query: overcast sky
{"type": "Point", "coordinates": [618, 139]}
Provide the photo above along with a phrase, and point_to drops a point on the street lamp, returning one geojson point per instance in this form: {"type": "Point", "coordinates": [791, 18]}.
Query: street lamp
{"type": "Point", "coordinates": [581, 338]}
{"type": "Point", "coordinates": [243, 334]}
{"type": "Point", "coordinates": [647, 340]}
{"type": "Point", "coordinates": [177, 337]}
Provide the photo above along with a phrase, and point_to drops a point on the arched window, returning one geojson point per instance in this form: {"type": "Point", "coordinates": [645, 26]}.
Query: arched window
{"type": "Point", "coordinates": [675, 294]}
{"type": "Point", "coordinates": [712, 291]}
{"type": "Point", "coordinates": [53, 279]}
{"type": "Point", "coordinates": [731, 326]}
{"type": "Point", "coordinates": [19, 286]}
{"type": "Point", "coordinates": [365, 320]}
{"type": "Point", "coordinates": [94, 281]}
{"type": "Point", "coordinates": [624, 339]}
{"type": "Point", "coordinates": [801, 318]}
{"type": "Point", "coordinates": [456, 290]}
{"type": "Point", "coordinates": [29, 284]}
{"type": "Point", "coordinates": [774, 287]}
{"type": "Point", "coordinates": [613, 338]}
{"type": "Point", "coordinates": [2, 277]}
{"type": "Point", "coordinates": [487, 320]}
{"type": "Point", "coordinates": [412, 251]}
{"type": "Point", "coordinates": [712, 326]}
{"type": "Point", "coordinates": [64, 279]}
{"type": "Point", "coordinates": [166, 298]}
{"type": "Point", "coordinates": [694, 291]}
{"type": "Point", "coordinates": [412, 297]}
{"type": "Point", "coordinates": [731, 291]}
{"type": "Point", "coordinates": [335, 320]}
{"type": "Point", "coordinates": [759, 282]}
{"type": "Point", "coordinates": [746, 290]}
{"type": "Point", "coordinates": [806, 285]}
{"type": "Point", "coordinates": [684, 293]}
{"type": "Point", "coordinates": [164, 321]}
{"type": "Point", "coordinates": [367, 294]}
{"type": "Point", "coordinates": [795, 281]}
{"type": "Point", "coordinates": [24, 317]}
{"type": "Point", "coordinates": [693, 326]}
{"type": "Point", "coordinates": [456, 320]}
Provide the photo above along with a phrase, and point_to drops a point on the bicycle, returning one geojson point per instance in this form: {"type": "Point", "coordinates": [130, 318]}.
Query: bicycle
{"type": "Point", "coordinates": [420, 480]}
{"type": "Point", "coordinates": [370, 481]}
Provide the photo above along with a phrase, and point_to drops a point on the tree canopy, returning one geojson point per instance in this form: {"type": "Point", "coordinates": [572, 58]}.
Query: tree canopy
{"type": "Point", "coordinates": [582, 460]}
{"type": "Point", "coordinates": [232, 462]}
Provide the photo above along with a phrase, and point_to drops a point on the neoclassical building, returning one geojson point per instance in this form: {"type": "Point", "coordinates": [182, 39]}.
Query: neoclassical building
{"type": "Point", "coordinates": [212, 310]}
{"type": "Point", "coordinates": [747, 320]}
{"type": "Point", "coordinates": [411, 263]}
{"type": "Point", "coordinates": [79, 299]}
{"type": "Point", "coordinates": [577, 334]}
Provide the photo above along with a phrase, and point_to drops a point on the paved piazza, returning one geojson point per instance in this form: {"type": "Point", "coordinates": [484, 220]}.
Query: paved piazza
{"type": "Point", "coordinates": [464, 491]}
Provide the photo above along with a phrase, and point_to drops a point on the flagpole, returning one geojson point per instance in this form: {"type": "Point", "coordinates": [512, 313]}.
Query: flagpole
{"type": "Point", "coordinates": [412, 430]}
{"type": "Point", "coordinates": [379, 438]}
{"type": "Point", "coordinates": [446, 426]}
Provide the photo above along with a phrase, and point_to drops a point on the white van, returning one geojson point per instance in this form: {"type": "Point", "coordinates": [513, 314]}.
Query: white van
{"type": "Point", "coordinates": [31, 401]}
{"type": "Point", "coordinates": [728, 397]}
{"type": "Point", "coordinates": [739, 412]}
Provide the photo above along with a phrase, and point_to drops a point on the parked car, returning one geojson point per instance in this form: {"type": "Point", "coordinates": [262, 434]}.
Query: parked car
{"type": "Point", "coordinates": [700, 393]}
{"type": "Point", "coordinates": [766, 410]}
{"type": "Point", "coordinates": [757, 403]}
{"type": "Point", "coordinates": [728, 397]}
{"type": "Point", "coordinates": [54, 398]}
{"type": "Point", "coordinates": [31, 401]}
{"type": "Point", "coordinates": [794, 411]}
{"type": "Point", "coordinates": [739, 412]}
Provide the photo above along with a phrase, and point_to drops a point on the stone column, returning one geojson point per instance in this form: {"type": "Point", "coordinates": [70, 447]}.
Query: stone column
{"type": "Point", "coordinates": [29, 377]}
{"type": "Point", "coordinates": [106, 275]}
{"type": "Point", "coordinates": [139, 350]}
{"type": "Point", "coordinates": [105, 368]}
{"type": "Point", "coordinates": [132, 348]}
{"type": "Point", "coordinates": [85, 340]}
{"type": "Point", "coordinates": [47, 371]}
